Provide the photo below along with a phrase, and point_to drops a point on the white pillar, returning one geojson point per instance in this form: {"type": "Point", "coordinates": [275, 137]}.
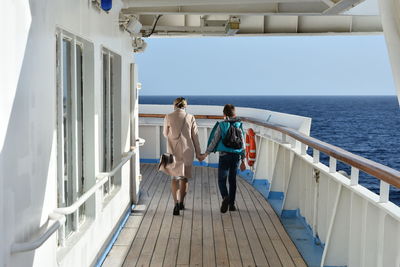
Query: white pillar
{"type": "Point", "coordinates": [390, 17]}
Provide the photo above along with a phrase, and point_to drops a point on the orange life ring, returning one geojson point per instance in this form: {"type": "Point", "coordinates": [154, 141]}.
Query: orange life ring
{"type": "Point", "coordinates": [250, 147]}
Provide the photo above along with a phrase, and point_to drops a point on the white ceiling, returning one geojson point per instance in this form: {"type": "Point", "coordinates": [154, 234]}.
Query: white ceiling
{"type": "Point", "coordinates": [257, 17]}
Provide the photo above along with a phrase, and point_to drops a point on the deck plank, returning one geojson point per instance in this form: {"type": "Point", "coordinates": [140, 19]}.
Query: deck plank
{"type": "Point", "coordinates": [241, 237]}
{"type": "Point", "coordinates": [196, 245]}
{"type": "Point", "coordinates": [201, 236]}
{"type": "Point", "coordinates": [280, 239]}
{"type": "Point", "coordinates": [282, 252]}
{"type": "Point", "coordinates": [221, 251]}
{"type": "Point", "coordinates": [186, 232]}
{"type": "Point", "coordinates": [208, 233]}
{"type": "Point", "coordinates": [121, 247]}
{"type": "Point", "coordinates": [254, 241]}
{"type": "Point", "coordinates": [269, 250]}
{"type": "Point", "coordinates": [162, 241]}
{"type": "Point", "coordinates": [232, 243]}
{"type": "Point", "coordinates": [137, 245]}
{"type": "Point", "coordinates": [152, 236]}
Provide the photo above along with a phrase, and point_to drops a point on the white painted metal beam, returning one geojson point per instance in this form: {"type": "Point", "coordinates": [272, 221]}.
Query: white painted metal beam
{"type": "Point", "coordinates": [164, 3]}
{"type": "Point", "coordinates": [390, 15]}
{"type": "Point", "coordinates": [342, 6]}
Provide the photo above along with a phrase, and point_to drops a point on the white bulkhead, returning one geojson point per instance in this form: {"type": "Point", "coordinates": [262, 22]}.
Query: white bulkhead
{"type": "Point", "coordinates": [32, 183]}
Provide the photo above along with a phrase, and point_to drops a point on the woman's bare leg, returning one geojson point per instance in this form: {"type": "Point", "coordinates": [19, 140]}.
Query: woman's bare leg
{"type": "Point", "coordinates": [174, 189]}
{"type": "Point", "coordinates": [182, 189]}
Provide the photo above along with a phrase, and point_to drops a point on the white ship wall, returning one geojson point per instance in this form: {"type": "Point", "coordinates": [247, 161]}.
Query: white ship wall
{"type": "Point", "coordinates": [28, 138]}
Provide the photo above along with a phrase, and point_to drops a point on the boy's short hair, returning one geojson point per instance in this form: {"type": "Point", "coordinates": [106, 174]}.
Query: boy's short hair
{"type": "Point", "coordinates": [229, 110]}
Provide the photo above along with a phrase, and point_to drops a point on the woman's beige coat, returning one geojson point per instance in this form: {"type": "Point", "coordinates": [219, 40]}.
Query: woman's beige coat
{"type": "Point", "coordinates": [188, 145]}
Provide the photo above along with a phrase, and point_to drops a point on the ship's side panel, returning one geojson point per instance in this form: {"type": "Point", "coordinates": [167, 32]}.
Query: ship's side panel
{"type": "Point", "coordinates": [30, 147]}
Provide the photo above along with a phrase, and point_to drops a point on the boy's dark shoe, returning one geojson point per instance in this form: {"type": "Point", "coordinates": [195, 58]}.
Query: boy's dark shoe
{"type": "Point", "coordinates": [225, 204]}
{"type": "Point", "coordinates": [181, 206]}
{"type": "Point", "coordinates": [176, 209]}
{"type": "Point", "coordinates": [232, 207]}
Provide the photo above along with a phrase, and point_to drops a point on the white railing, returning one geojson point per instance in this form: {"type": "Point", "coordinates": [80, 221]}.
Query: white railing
{"type": "Point", "coordinates": [355, 226]}
{"type": "Point", "coordinates": [59, 214]}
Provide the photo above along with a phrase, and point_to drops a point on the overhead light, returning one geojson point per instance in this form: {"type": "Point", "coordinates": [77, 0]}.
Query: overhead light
{"type": "Point", "coordinates": [134, 26]}
{"type": "Point", "coordinates": [232, 26]}
{"type": "Point", "coordinates": [139, 45]}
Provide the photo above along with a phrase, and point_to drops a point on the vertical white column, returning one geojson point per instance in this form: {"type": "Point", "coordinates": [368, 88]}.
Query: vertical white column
{"type": "Point", "coordinates": [384, 192]}
{"type": "Point", "coordinates": [284, 138]}
{"type": "Point", "coordinates": [315, 156]}
{"type": "Point", "coordinates": [158, 141]}
{"type": "Point", "coordinates": [354, 176]}
{"type": "Point", "coordinates": [390, 17]}
{"type": "Point", "coordinates": [303, 148]}
{"type": "Point", "coordinates": [134, 132]}
{"type": "Point", "coordinates": [332, 165]}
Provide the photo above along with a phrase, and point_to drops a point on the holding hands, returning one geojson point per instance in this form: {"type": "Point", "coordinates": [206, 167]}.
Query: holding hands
{"type": "Point", "coordinates": [202, 157]}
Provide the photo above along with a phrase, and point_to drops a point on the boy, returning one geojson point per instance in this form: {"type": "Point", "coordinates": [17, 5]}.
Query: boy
{"type": "Point", "coordinates": [229, 142]}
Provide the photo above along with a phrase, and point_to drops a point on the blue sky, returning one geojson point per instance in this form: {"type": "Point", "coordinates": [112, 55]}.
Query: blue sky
{"type": "Point", "coordinates": [307, 65]}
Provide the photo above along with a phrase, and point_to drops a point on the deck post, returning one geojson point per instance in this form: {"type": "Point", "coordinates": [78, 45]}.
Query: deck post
{"type": "Point", "coordinates": [354, 176]}
{"type": "Point", "coordinates": [315, 156]}
{"type": "Point", "coordinates": [332, 165]}
{"type": "Point", "coordinates": [384, 192]}
{"type": "Point", "coordinates": [303, 149]}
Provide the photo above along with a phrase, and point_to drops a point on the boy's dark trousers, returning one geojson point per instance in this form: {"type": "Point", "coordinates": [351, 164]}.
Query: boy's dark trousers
{"type": "Point", "coordinates": [228, 165]}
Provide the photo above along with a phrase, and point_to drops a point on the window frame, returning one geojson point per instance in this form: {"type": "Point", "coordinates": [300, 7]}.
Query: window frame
{"type": "Point", "coordinates": [110, 86]}
{"type": "Point", "coordinates": [81, 164]}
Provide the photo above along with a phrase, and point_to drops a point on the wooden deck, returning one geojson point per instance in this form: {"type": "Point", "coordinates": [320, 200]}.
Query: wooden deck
{"type": "Point", "coordinates": [201, 235]}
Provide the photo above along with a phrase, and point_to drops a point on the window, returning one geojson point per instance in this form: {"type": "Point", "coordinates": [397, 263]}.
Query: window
{"type": "Point", "coordinates": [111, 113]}
{"type": "Point", "coordinates": [71, 125]}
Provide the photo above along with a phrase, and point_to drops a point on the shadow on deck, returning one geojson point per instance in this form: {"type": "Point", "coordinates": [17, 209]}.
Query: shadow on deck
{"type": "Point", "coordinates": [201, 235]}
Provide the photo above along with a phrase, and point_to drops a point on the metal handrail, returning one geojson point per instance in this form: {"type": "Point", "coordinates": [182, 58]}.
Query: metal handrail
{"type": "Point", "coordinates": [101, 180]}
{"type": "Point", "coordinates": [379, 171]}
{"type": "Point", "coordinates": [34, 244]}
{"type": "Point", "coordinates": [59, 214]}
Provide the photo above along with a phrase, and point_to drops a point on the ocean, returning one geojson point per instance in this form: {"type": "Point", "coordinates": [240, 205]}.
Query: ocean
{"type": "Point", "coordinates": [368, 126]}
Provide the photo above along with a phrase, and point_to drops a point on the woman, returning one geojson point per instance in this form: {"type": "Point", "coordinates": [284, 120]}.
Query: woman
{"type": "Point", "coordinates": [181, 131]}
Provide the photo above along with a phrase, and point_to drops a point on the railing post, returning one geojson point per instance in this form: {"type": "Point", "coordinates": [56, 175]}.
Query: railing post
{"type": "Point", "coordinates": [284, 138]}
{"type": "Point", "coordinates": [303, 149]}
{"type": "Point", "coordinates": [293, 143]}
{"type": "Point", "coordinates": [332, 165]}
{"type": "Point", "coordinates": [354, 176]}
{"type": "Point", "coordinates": [315, 156]}
{"type": "Point", "coordinates": [384, 192]}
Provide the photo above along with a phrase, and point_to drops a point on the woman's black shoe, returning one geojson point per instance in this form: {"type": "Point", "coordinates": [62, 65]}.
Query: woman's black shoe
{"type": "Point", "coordinates": [232, 208]}
{"type": "Point", "coordinates": [176, 209]}
{"type": "Point", "coordinates": [225, 204]}
{"type": "Point", "coordinates": [181, 206]}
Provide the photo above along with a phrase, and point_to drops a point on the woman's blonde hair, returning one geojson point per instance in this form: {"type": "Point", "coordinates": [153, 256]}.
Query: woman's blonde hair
{"type": "Point", "coordinates": [180, 102]}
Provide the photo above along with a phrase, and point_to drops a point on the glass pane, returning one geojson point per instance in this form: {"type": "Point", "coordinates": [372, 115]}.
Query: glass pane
{"type": "Point", "coordinates": [105, 109]}
{"type": "Point", "coordinates": [66, 128]}
{"type": "Point", "coordinates": [80, 152]}
{"type": "Point", "coordinates": [111, 123]}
